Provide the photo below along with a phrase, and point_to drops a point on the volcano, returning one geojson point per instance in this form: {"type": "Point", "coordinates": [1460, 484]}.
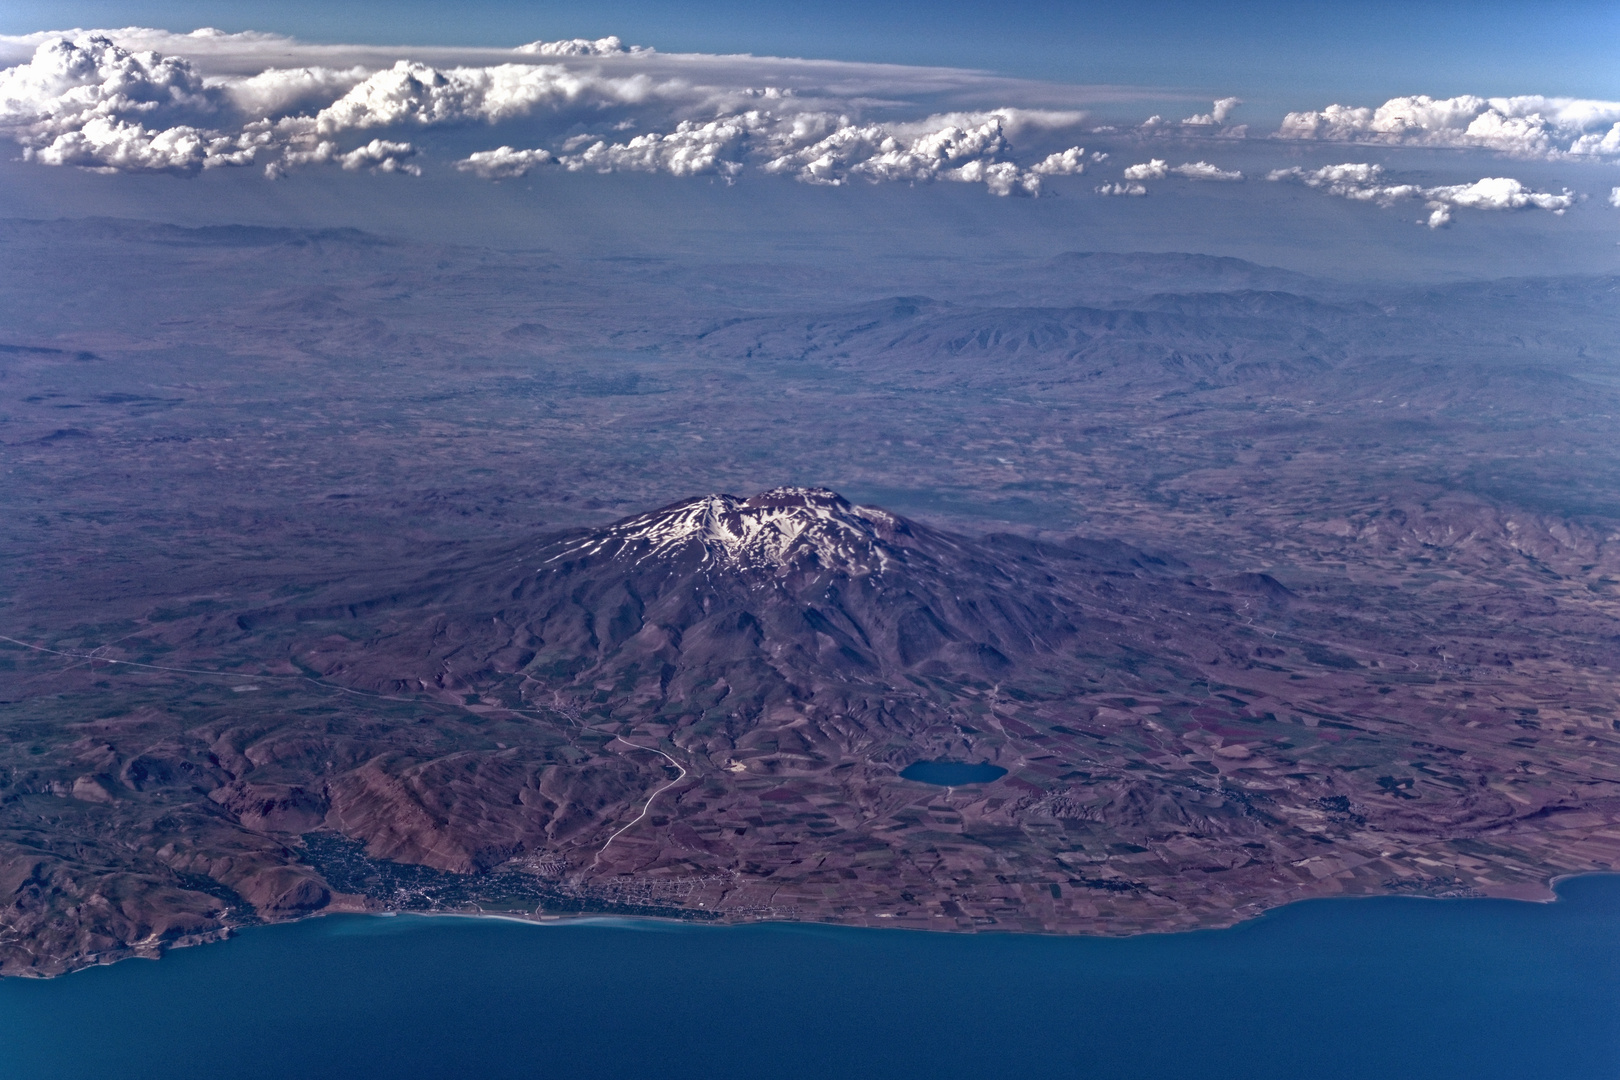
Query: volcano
{"type": "Point", "coordinates": [753, 691]}
{"type": "Point", "coordinates": [712, 611]}
{"type": "Point", "coordinates": [790, 706]}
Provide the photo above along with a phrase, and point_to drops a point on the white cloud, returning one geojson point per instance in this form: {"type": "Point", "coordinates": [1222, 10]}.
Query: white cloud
{"type": "Point", "coordinates": [1614, 197]}
{"type": "Point", "coordinates": [692, 149]}
{"type": "Point", "coordinates": [1365, 182]}
{"type": "Point", "coordinates": [19, 48]}
{"type": "Point", "coordinates": [277, 92]}
{"type": "Point", "coordinates": [608, 46]}
{"type": "Point", "coordinates": [1070, 162]}
{"type": "Point", "coordinates": [1204, 125]}
{"type": "Point", "coordinates": [1158, 169]}
{"type": "Point", "coordinates": [379, 155]}
{"type": "Point", "coordinates": [108, 145]}
{"type": "Point", "coordinates": [1203, 170]}
{"type": "Point", "coordinates": [413, 93]}
{"type": "Point", "coordinates": [1350, 174]}
{"type": "Point", "coordinates": [97, 105]}
{"type": "Point", "coordinates": [1597, 144]}
{"type": "Point", "coordinates": [1525, 126]}
{"type": "Point", "coordinates": [826, 84]}
{"type": "Point", "coordinates": [879, 152]}
{"type": "Point", "coordinates": [140, 100]}
{"type": "Point", "coordinates": [91, 101]}
{"type": "Point", "coordinates": [1500, 193]}
{"type": "Point", "coordinates": [821, 148]}
{"type": "Point", "coordinates": [504, 163]}
{"type": "Point", "coordinates": [223, 55]}
{"type": "Point", "coordinates": [1216, 116]}
{"type": "Point", "coordinates": [92, 76]}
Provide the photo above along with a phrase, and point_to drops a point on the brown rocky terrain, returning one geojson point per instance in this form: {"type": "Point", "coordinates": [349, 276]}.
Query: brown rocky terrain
{"type": "Point", "coordinates": [703, 711]}
{"type": "Point", "coordinates": [329, 580]}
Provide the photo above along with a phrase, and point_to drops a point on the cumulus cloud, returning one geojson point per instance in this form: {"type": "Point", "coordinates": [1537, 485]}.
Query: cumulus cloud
{"type": "Point", "coordinates": [93, 76]}
{"type": "Point", "coordinates": [1205, 124]}
{"type": "Point", "coordinates": [137, 100]}
{"type": "Point", "coordinates": [826, 149]}
{"type": "Point", "coordinates": [1070, 162]}
{"type": "Point", "coordinates": [1602, 144]}
{"type": "Point", "coordinates": [379, 155]}
{"type": "Point", "coordinates": [110, 146]}
{"type": "Point", "coordinates": [414, 93]}
{"type": "Point", "coordinates": [1352, 180]}
{"type": "Point", "coordinates": [1159, 169]}
{"type": "Point", "coordinates": [504, 163]}
{"type": "Point", "coordinates": [692, 149]}
{"type": "Point", "coordinates": [1203, 170]}
{"type": "Point", "coordinates": [1217, 115]}
{"type": "Point", "coordinates": [1614, 197]}
{"type": "Point", "coordinates": [97, 105]}
{"type": "Point", "coordinates": [277, 92]}
{"type": "Point", "coordinates": [19, 48]}
{"type": "Point", "coordinates": [1525, 126]}
{"type": "Point", "coordinates": [91, 102]}
{"type": "Point", "coordinates": [608, 46]}
{"type": "Point", "coordinates": [88, 100]}
{"type": "Point", "coordinates": [965, 148]}
{"type": "Point", "coordinates": [1365, 182]}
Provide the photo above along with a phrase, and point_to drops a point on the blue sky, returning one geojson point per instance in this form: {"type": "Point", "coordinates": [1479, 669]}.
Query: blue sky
{"type": "Point", "coordinates": [1276, 55]}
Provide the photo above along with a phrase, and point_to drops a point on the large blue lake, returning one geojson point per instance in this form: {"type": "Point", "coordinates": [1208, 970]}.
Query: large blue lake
{"type": "Point", "coordinates": [1353, 988]}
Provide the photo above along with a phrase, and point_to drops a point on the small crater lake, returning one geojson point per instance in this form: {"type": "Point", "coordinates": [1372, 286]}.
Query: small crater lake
{"type": "Point", "coordinates": [952, 773]}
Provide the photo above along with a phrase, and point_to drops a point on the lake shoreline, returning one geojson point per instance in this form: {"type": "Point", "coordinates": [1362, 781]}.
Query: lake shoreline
{"type": "Point", "coordinates": [345, 905]}
{"type": "Point", "coordinates": [1471, 991]}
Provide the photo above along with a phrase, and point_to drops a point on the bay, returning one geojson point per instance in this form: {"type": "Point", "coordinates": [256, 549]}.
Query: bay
{"type": "Point", "coordinates": [1323, 989]}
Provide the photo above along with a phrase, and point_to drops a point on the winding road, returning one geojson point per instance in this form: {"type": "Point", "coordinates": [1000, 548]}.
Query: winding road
{"type": "Point", "coordinates": [650, 799]}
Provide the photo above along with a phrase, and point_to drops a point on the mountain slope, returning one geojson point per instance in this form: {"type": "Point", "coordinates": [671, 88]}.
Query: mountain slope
{"type": "Point", "coordinates": [720, 608]}
{"type": "Point", "coordinates": [707, 711]}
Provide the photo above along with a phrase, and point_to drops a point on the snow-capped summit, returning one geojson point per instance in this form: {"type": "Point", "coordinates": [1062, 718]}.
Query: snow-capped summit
{"type": "Point", "coordinates": [776, 529]}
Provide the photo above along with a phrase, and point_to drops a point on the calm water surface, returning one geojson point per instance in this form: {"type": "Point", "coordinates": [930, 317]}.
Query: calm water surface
{"type": "Point", "coordinates": [952, 773]}
{"type": "Point", "coordinates": [1352, 988]}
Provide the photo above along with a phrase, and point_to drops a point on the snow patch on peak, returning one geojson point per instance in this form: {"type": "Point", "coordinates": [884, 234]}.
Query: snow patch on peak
{"type": "Point", "coordinates": [775, 529]}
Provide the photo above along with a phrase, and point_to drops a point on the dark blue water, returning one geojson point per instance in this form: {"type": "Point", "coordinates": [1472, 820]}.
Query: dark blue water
{"type": "Point", "coordinates": [1473, 989]}
{"type": "Point", "coordinates": [952, 773]}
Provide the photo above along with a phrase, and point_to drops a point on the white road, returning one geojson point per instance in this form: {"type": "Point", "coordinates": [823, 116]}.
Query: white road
{"type": "Point", "coordinates": [650, 799]}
